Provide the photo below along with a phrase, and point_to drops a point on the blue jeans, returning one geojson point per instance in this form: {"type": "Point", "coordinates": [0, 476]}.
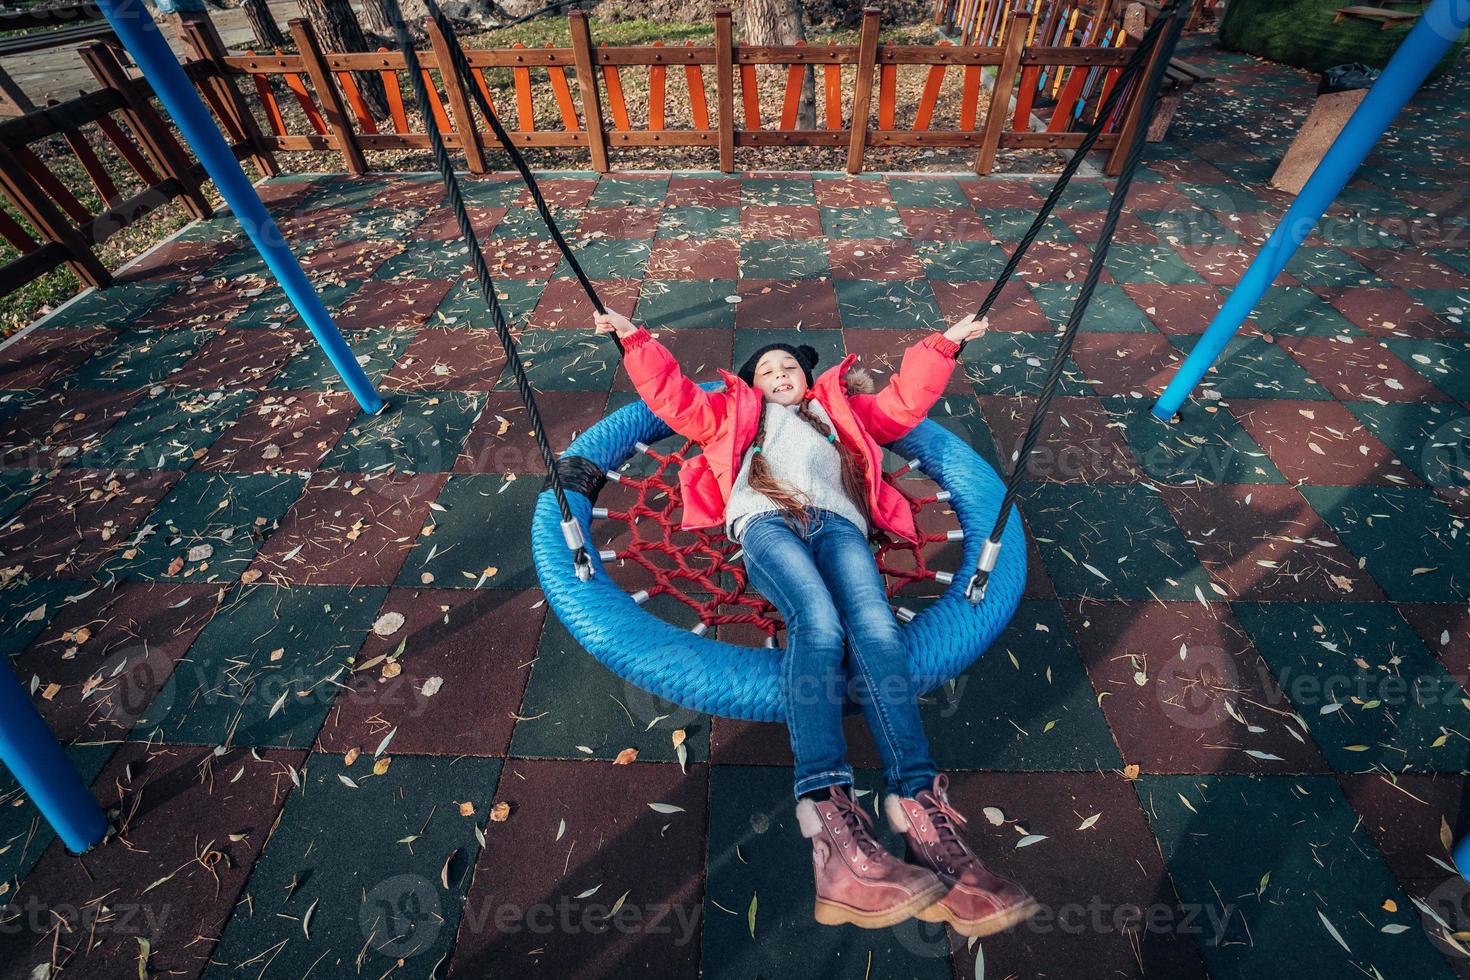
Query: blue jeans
{"type": "Point", "coordinates": [829, 590]}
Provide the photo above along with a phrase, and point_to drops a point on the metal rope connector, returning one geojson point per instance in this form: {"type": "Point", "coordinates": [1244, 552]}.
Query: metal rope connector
{"type": "Point", "coordinates": [989, 554]}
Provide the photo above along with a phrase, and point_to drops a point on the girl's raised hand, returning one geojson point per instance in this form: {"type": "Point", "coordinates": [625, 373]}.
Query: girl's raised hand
{"type": "Point", "coordinates": [611, 322]}
{"type": "Point", "coordinates": [968, 329]}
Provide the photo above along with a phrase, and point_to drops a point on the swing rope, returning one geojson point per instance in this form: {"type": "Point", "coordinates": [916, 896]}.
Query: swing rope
{"type": "Point", "coordinates": [1157, 34]}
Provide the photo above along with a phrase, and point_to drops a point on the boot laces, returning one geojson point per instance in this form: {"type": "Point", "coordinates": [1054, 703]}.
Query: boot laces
{"type": "Point", "coordinates": [857, 822]}
{"type": "Point", "coordinates": [947, 821]}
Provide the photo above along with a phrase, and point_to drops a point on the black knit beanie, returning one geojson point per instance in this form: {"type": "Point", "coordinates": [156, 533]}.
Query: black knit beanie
{"type": "Point", "coordinates": [805, 356]}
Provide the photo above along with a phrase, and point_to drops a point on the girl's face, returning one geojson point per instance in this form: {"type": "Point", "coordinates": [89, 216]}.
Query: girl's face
{"type": "Point", "coordinates": [780, 379]}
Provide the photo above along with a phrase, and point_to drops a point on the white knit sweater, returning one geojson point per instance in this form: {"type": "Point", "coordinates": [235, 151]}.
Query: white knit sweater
{"type": "Point", "coordinates": [800, 457]}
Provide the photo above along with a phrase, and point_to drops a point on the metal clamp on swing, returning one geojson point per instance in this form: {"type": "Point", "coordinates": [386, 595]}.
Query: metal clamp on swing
{"type": "Point", "coordinates": [571, 530]}
{"type": "Point", "coordinates": [975, 588]}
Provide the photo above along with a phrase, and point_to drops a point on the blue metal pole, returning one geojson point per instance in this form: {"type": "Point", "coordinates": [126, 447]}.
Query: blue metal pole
{"type": "Point", "coordinates": [1420, 51]}
{"type": "Point", "coordinates": [140, 35]}
{"type": "Point", "coordinates": [31, 753]}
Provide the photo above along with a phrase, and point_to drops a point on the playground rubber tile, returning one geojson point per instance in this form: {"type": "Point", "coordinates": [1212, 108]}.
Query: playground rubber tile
{"type": "Point", "coordinates": [875, 260]}
{"type": "Point", "coordinates": [678, 258]}
{"type": "Point", "coordinates": [1322, 866]}
{"type": "Point", "coordinates": [137, 359]}
{"type": "Point", "coordinates": [347, 261]}
{"type": "Point", "coordinates": [442, 671]}
{"type": "Point", "coordinates": [1359, 369]}
{"type": "Point", "coordinates": [891, 304]}
{"type": "Point", "coordinates": [281, 431]}
{"type": "Point", "coordinates": [1431, 437]}
{"type": "Point", "coordinates": [775, 191]}
{"type": "Point", "coordinates": [1319, 443]}
{"type": "Point", "coordinates": [398, 304]}
{"type": "Point", "coordinates": [1408, 538]}
{"type": "Point", "coordinates": [525, 222]}
{"type": "Point", "coordinates": [1410, 268]}
{"type": "Point", "coordinates": [1445, 363]}
{"type": "Point", "coordinates": [415, 432]}
{"type": "Point", "coordinates": [1395, 699]}
{"type": "Point", "coordinates": [1405, 814]}
{"type": "Point", "coordinates": [276, 689]}
{"type": "Point", "coordinates": [118, 306]}
{"type": "Point", "coordinates": [441, 225]}
{"type": "Point", "coordinates": [179, 260]}
{"type": "Point", "coordinates": [311, 370]}
{"type": "Point", "coordinates": [1126, 365]}
{"type": "Point", "coordinates": [456, 358]}
{"type": "Point", "coordinates": [1221, 264]}
{"type": "Point", "coordinates": [1206, 445]}
{"type": "Point", "coordinates": [1134, 262]}
{"type": "Point", "coordinates": [699, 223]}
{"type": "Point", "coordinates": [722, 192]}
{"type": "Point", "coordinates": [501, 440]}
{"type": "Point", "coordinates": [759, 872]}
{"type": "Point", "coordinates": [776, 258]}
{"type": "Point", "coordinates": [199, 305]}
{"type": "Point", "coordinates": [575, 708]}
{"type": "Point", "coordinates": [208, 528]}
{"type": "Point", "coordinates": [451, 549]}
{"type": "Point", "coordinates": [1296, 310]}
{"type": "Point", "coordinates": [240, 359]}
{"type": "Point", "coordinates": [559, 192]}
{"type": "Point", "coordinates": [1087, 226]}
{"type": "Point", "coordinates": [868, 223]}
{"type": "Point", "coordinates": [1010, 225]}
{"type": "Point", "coordinates": [546, 895]}
{"type": "Point", "coordinates": [102, 659]}
{"type": "Point", "coordinates": [26, 606]}
{"type": "Point", "coordinates": [798, 222]}
{"type": "Point", "coordinates": [1175, 308]}
{"type": "Point", "coordinates": [1016, 364]}
{"type": "Point", "coordinates": [199, 835]}
{"type": "Point", "coordinates": [16, 487]}
{"type": "Point", "coordinates": [1184, 690]}
{"type": "Point", "coordinates": [676, 303]}
{"type": "Point", "coordinates": [961, 260]}
{"type": "Point", "coordinates": [1111, 309]}
{"type": "Point", "coordinates": [758, 743]}
{"type": "Point", "coordinates": [1049, 262]}
{"type": "Point", "coordinates": [1266, 543]}
{"type": "Point", "coordinates": [1254, 367]}
{"type": "Point", "coordinates": [52, 428]}
{"type": "Point", "coordinates": [1324, 266]}
{"type": "Point", "coordinates": [24, 833]}
{"type": "Point", "coordinates": [927, 192]}
{"type": "Point", "coordinates": [1445, 630]}
{"type": "Point", "coordinates": [521, 258]}
{"type": "Point", "coordinates": [805, 304]}
{"type": "Point", "coordinates": [611, 258]}
{"type": "Point", "coordinates": [563, 303]}
{"type": "Point", "coordinates": [494, 190]}
{"type": "Point", "coordinates": [633, 221]}
{"type": "Point", "coordinates": [880, 353]}
{"type": "Point", "coordinates": [340, 192]}
{"type": "Point", "coordinates": [1077, 443]}
{"type": "Point", "coordinates": [699, 353]}
{"type": "Point", "coordinates": [623, 190]}
{"type": "Point", "coordinates": [945, 224]}
{"type": "Point", "coordinates": [564, 360]}
{"type": "Point", "coordinates": [1225, 197]}
{"type": "Point", "coordinates": [1015, 310]}
{"type": "Point", "coordinates": [852, 192]}
{"type": "Point", "coordinates": [347, 529]}
{"type": "Point", "coordinates": [39, 357]}
{"type": "Point", "coordinates": [406, 905]}
{"type": "Point", "coordinates": [1387, 312]}
{"type": "Point", "coordinates": [987, 195]}
{"type": "Point", "coordinates": [70, 526]}
{"type": "Point", "coordinates": [418, 191]}
{"type": "Point", "coordinates": [1452, 304]}
{"type": "Point", "coordinates": [465, 306]}
{"type": "Point", "coordinates": [1123, 532]}
{"type": "Point", "coordinates": [1182, 228]}
{"type": "Point", "coordinates": [1156, 195]}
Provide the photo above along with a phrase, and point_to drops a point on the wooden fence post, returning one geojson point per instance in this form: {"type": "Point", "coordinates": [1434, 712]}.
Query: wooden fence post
{"type": "Point", "coordinates": [326, 90]}
{"type": "Point", "coordinates": [459, 100]}
{"type": "Point", "coordinates": [53, 226]}
{"type": "Point", "coordinates": [587, 88]}
{"type": "Point", "coordinates": [862, 96]}
{"type": "Point", "coordinates": [1000, 94]}
{"type": "Point", "coordinates": [725, 88]}
{"type": "Point", "coordinates": [1133, 118]}
{"type": "Point", "coordinates": [162, 149]}
{"type": "Point", "coordinates": [203, 43]}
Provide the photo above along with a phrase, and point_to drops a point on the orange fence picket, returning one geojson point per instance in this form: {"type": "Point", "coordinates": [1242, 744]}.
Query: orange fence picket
{"type": "Point", "coordinates": [833, 79]}
{"type": "Point", "coordinates": [657, 84]}
{"type": "Point", "coordinates": [750, 96]}
{"type": "Point", "coordinates": [930, 97]}
{"type": "Point", "coordinates": [354, 99]}
{"type": "Point", "coordinates": [395, 99]}
{"type": "Point", "coordinates": [698, 102]}
{"type": "Point", "coordinates": [970, 99]}
{"type": "Point", "coordinates": [887, 95]}
{"type": "Point", "coordinates": [297, 86]}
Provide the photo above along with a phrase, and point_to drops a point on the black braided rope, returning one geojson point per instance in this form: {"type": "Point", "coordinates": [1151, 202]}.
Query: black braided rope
{"type": "Point", "coordinates": [482, 273]}
{"type": "Point", "coordinates": [976, 588]}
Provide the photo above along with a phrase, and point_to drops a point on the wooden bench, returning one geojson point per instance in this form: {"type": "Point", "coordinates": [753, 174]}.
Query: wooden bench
{"type": "Point", "coordinates": [1386, 18]}
{"type": "Point", "coordinates": [1179, 77]}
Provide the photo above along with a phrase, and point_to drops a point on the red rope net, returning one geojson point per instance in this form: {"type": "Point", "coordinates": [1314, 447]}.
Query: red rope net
{"type": "Point", "coordinates": [702, 569]}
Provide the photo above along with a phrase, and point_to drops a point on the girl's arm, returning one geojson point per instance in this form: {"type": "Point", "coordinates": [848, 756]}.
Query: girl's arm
{"type": "Point", "coordinates": [919, 382]}
{"type": "Point", "coordinates": [688, 409]}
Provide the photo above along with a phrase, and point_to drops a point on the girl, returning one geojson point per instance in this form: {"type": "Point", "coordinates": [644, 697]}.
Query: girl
{"type": "Point", "coordinates": [791, 468]}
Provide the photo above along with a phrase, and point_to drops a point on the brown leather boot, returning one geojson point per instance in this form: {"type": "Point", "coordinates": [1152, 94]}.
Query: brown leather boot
{"type": "Point", "coordinates": [979, 902]}
{"type": "Point", "coordinates": [858, 881]}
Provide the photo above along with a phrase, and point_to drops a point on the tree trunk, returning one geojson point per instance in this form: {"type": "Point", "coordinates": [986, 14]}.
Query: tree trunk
{"type": "Point", "coordinates": [782, 22]}
{"type": "Point", "coordinates": [477, 13]}
{"type": "Point", "coordinates": [336, 26]}
{"type": "Point", "coordinates": [268, 36]}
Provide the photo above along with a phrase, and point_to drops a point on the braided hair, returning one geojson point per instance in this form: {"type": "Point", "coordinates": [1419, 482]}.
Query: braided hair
{"type": "Point", "coordinates": [792, 502]}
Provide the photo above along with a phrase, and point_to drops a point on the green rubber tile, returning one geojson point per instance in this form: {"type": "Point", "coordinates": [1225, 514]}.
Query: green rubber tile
{"type": "Point", "coordinates": [1203, 446]}
{"type": "Point", "coordinates": [1078, 442]}
{"type": "Point", "coordinates": [1111, 310]}
{"type": "Point", "coordinates": [1011, 224]}
{"type": "Point", "coordinates": [759, 893]}
{"type": "Point", "coordinates": [1408, 539]}
{"type": "Point", "coordinates": [1298, 310]}
{"type": "Point", "coordinates": [683, 303]}
{"type": "Point", "coordinates": [1300, 868]}
{"type": "Point", "coordinates": [418, 432]}
{"type": "Point", "coordinates": [275, 689]}
{"type": "Point", "coordinates": [1318, 265]}
{"type": "Point", "coordinates": [1452, 304]}
{"type": "Point", "coordinates": [464, 305]}
{"type": "Point", "coordinates": [609, 258]}
{"type": "Point", "coordinates": [168, 430]}
{"type": "Point", "coordinates": [1131, 262]}
{"type": "Point", "coordinates": [491, 192]}
{"type": "Point", "coordinates": [526, 223]}
{"type": "Point", "coordinates": [615, 191]}
{"type": "Point", "coordinates": [927, 192]}
{"type": "Point", "coordinates": [1370, 693]}
{"type": "Point", "coordinates": [889, 304]}
{"type": "Point", "coordinates": [138, 359]}
{"type": "Point", "coordinates": [1444, 362]}
{"type": "Point", "coordinates": [1001, 363]}
{"type": "Point", "coordinates": [1195, 227]}
{"type": "Point", "coordinates": [341, 191]}
{"type": "Point", "coordinates": [271, 309]}
{"type": "Point", "coordinates": [777, 191]}
{"type": "Point", "coordinates": [1433, 439]}
{"type": "Point", "coordinates": [827, 343]}
{"type": "Point", "coordinates": [24, 833]}
{"type": "Point", "coordinates": [1083, 195]}
{"type": "Point", "coordinates": [778, 258]}
{"type": "Point", "coordinates": [862, 222]}
{"type": "Point", "coordinates": [575, 708]}
{"type": "Point", "coordinates": [458, 553]}
{"type": "Point", "coordinates": [208, 528]}
{"type": "Point", "coordinates": [376, 351]}
{"type": "Point", "coordinates": [1026, 705]}
{"type": "Point", "coordinates": [27, 605]}
{"type": "Point", "coordinates": [1250, 367]}
{"type": "Point", "coordinates": [699, 222]}
{"type": "Point", "coordinates": [961, 260]}
{"type": "Point", "coordinates": [428, 260]}
{"type": "Point", "coordinates": [384, 888]}
{"type": "Point", "coordinates": [117, 307]}
{"type": "Point", "coordinates": [1123, 532]}
{"type": "Point", "coordinates": [1224, 199]}
{"type": "Point", "coordinates": [16, 487]}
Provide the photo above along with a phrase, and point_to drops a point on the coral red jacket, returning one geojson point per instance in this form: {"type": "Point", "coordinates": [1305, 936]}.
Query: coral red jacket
{"type": "Point", "coordinates": [724, 422]}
